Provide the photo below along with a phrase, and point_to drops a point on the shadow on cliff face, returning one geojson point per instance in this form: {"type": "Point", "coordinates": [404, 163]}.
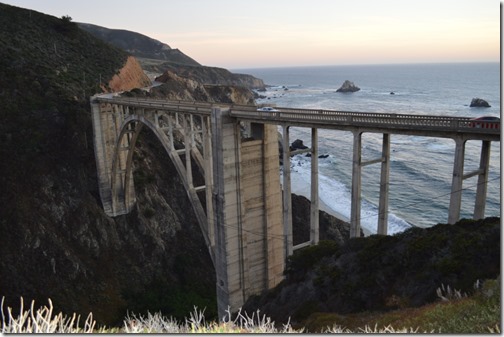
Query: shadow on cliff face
{"type": "Point", "coordinates": [57, 242]}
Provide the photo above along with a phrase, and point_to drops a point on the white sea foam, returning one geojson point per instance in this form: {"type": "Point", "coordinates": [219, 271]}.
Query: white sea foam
{"type": "Point", "coordinates": [335, 198]}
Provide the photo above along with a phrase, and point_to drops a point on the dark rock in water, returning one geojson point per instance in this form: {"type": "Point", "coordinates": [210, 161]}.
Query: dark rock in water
{"type": "Point", "coordinates": [298, 145]}
{"type": "Point", "coordinates": [322, 156]}
{"type": "Point", "coordinates": [478, 102]}
{"type": "Point", "coordinates": [348, 86]}
{"type": "Point", "coordinates": [392, 93]}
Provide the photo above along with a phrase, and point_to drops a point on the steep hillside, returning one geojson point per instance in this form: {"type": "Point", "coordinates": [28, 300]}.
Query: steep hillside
{"type": "Point", "coordinates": [383, 273]}
{"type": "Point", "coordinates": [56, 241]}
{"type": "Point", "coordinates": [139, 45]}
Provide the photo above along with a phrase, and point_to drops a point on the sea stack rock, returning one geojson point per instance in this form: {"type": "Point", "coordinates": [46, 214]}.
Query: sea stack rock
{"type": "Point", "coordinates": [478, 102]}
{"type": "Point", "coordinates": [298, 145]}
{"type": "Point", "coordinates": [348, 86]}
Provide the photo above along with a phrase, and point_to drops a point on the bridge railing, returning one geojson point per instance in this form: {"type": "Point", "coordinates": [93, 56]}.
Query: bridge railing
{"type": "Point", "coordinates": [203, 108]}
{"type": "Point", "coordinates": [362, 119]}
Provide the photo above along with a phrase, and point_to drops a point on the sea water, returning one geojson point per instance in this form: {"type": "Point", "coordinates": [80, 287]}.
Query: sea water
{"type": "Point", "coordinates": [421, 167]}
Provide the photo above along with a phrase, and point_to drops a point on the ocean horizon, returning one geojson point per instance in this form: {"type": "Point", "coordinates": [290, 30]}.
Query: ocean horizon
{"type": "Point", "coordinates": [421, 167]}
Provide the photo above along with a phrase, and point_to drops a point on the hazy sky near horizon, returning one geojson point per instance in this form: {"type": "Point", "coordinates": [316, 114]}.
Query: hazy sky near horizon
{"type": "Point", "coordinates": [237, 34]}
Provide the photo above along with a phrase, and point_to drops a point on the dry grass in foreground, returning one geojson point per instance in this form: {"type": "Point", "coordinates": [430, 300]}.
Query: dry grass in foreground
{"type": "Point", "coordinates": [43, 320]}
{"type": "Point", "coordinates": [457, 313]}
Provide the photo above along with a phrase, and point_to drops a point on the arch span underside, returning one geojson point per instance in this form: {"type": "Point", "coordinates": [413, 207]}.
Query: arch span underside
{"type": "Point", "coordinates": [168, 128]}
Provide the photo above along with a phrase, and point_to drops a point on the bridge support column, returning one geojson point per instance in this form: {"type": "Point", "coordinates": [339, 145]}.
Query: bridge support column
{"type": "Point", "coordinates": [356, 185]}
{"type": "Point", "coordinates": [458, 176]}
{"type": "Point", "coordinates": [287, 198]}
{"type": "Point", "coordinates": [102, 136]}
{"type": "Point", "coordinates": [384, 186]}
{"type": "Point", "coordinates": [314, 205]}
{"type": "Point", "coordinates": [249, 255]}
{"type": "Point", "coordinates": [227, 214]}
{"type": "Point", "coordinates": [481, 189]}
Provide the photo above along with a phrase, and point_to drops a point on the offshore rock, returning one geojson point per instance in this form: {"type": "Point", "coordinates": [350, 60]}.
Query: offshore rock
{"type": "Point", "coordinates": [480, 103]}
{"type": "Point", "coordinates": [298, 145]}
{"type": "Point", "coordinates": [348, 86]}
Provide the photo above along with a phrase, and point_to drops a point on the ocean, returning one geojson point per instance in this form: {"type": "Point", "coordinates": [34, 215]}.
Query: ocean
{"type": "Point", "coordinates": [421, 167]}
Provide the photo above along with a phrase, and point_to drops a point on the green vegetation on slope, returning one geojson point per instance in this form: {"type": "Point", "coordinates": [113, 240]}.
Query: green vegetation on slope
{"type": "Point", "coordinates": [480, 312]}
{"type": "Point", "coordinates": [384, 273]}
{"type": "Point", "coordinates": [48, 69]}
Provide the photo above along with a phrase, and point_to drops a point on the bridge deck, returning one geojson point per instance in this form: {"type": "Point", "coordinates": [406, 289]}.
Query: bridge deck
{"type": "Point", "coordinates": [419, 125]}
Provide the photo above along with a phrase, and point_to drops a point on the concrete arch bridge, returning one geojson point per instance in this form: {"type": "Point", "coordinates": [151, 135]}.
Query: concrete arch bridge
{"type": "Point", "coordinates": [246, 216]}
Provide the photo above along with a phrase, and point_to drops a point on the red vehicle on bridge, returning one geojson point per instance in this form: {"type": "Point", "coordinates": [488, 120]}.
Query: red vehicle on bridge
{"type": "Point", "coordinates": [485, 122]}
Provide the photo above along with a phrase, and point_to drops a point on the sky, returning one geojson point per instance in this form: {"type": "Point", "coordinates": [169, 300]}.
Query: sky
{"type": "Point", "coordinates": [237, 34]}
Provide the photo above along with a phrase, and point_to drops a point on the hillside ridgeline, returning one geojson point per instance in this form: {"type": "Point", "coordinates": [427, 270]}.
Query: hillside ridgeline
{"type": "Point", "coordinates": [139, 45]}
{"type": "Point", "coordinates": [157, 57]}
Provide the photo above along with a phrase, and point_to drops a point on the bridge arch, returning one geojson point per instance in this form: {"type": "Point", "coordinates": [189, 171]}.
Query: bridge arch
{"type": "Point", "coordinates": [122, 184]}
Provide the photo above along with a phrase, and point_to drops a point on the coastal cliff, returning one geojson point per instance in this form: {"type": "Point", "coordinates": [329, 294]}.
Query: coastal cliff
{"type": "Point", "coordinates": [211, 75]}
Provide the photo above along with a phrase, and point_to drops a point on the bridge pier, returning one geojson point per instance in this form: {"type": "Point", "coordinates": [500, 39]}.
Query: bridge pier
{"type": "Point", "coordinates": [355, 209]}
{"type": "Point", "coordinates": [286, 196]}
{"type": "Point", "coordinates": [314, 198]}
{"type": "Point", "coordinates": [357, 164]}
{"type": "Point", "coordinates": [384, 187]}
{"type": "Point", "coordinates": [314, 193]}
{"type": "Point", "coordinates": [481, 189]}
{"type": "Point", "coordinates": [459, 177]}
{"type": "Point", "coordinates": [249, 255]}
